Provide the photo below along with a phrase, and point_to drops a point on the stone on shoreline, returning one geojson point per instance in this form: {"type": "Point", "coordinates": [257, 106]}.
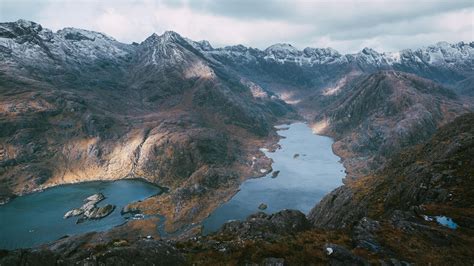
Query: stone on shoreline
{"type": "Point", "coordinates": [262, 206]}
{"type": "Point", "coordinates": [129, 209]}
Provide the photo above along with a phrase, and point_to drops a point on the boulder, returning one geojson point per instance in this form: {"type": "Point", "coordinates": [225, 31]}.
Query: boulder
{"type": "Point", "coordinates": [364, 235]}
{"type": "Point", "coordinates": [339, 255]}
{"type": "Point", "coordinates": [100, 212]}
{"type": "Point", "coordinates": [73, 212]}
{"type": "Point", "coordinates": [262, 206]}
{"type": "Point", "coordinates": [275, 173]}
{"type": "Point", "coordinates": [261, 225]}
{"type": "Point", "coordinates": [96, 198]}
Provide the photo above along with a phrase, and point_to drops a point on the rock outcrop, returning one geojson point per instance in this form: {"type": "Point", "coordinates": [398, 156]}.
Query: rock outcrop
{"type": "Point", "coordinates": [261, 225]}
{"type": "Point", "coordinates": [90, 210]}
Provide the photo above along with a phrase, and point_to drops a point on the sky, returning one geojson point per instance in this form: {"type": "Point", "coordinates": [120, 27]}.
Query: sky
{"type": "Point", "coordinates": [346, 25]}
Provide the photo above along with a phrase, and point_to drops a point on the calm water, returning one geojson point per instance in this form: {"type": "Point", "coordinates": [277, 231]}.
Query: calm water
{"type": "Point", "coordinates": [38, 218]}
{"type": "Point", "coordinates": [302, 181]}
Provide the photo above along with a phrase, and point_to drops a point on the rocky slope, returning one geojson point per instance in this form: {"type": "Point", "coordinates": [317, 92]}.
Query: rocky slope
{"type": "Point", "coordinates": [77, 105]}
{"type": "Point", "coordinates": [379, 114]}
{"type": "Point", "coordinates": [428, 180]}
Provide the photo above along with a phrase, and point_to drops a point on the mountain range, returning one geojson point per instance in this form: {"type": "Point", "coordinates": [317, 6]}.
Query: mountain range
{"type": "Point", "coordinates": [77, 105]}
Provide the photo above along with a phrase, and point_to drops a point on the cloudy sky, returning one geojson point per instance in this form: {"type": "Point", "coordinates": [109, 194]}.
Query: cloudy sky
{"type": "Point", "coordinates": [346, 25]}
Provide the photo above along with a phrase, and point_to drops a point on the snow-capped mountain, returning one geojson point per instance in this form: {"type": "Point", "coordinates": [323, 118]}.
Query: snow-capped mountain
{"type": "Point", "coordinates": [25, 40]}
{"type": "Point", "coordinates": [442, 62]}
{"type": "Point", "coordinates": [27, 43]}
{"type": "Point", "coordinates": [441, 53]}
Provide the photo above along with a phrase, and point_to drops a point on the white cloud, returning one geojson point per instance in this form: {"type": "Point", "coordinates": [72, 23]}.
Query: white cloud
{"type": "Point", "coordinates": [347, 25]}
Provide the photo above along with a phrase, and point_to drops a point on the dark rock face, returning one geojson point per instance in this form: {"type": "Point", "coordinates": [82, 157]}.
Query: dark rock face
{"type": "Point", "coordinates": [261, 225]}
{"type": "Point", "coordinates": [363, 235]}
{"type": "Point", "coordinates": [332, 212]}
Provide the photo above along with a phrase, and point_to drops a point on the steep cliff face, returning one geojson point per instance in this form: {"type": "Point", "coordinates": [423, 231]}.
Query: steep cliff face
{"type": "Point", "coordinates": [380, 114]}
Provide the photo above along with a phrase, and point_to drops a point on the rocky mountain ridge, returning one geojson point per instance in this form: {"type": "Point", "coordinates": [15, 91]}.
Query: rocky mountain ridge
{"type": "Point", "coordinates": [444, 62]}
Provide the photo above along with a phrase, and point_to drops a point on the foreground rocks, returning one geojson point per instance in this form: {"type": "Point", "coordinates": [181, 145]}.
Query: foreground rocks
{"type": "Point", "coordinates": [262, 225]}
{"type": "Point", "coordinates": [142, 252]}
{"type": "Point", "coordinates": [89, 210]}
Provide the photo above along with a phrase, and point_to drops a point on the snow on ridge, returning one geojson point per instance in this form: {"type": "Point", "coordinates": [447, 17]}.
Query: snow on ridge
{"type": "Point", "coordinates": [281, 47]}
{"type": "Point", "coordinates": [85, 34]}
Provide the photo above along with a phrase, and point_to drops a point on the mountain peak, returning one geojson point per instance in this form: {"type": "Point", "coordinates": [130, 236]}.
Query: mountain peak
{"type": "Point", "coordinates": [369, 51]}
{"type": "Point", "coordinates": [171, 34]}
{"type": "Point", "coordinates": [281, 47]}
{"type": "Point", "coordinates": [19, 28]}
{"type": "Point", "coordinates": [165, 38]}
{"type": "Point", "coordinates": [28, 24]}
{"type": "Point", "coordinates": [76, 34]}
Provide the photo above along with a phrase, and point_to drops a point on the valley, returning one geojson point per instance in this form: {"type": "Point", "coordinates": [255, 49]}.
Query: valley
{"type": "Point", "coordinates": [77, 106]}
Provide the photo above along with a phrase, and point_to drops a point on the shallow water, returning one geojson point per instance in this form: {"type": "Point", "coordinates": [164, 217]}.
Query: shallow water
{"type": "Point", "coordinates": [37, 218]}
{"type": "Point", "coordinates": [442, 220]}
{"type": "Point", "coordinates": [301, 183]}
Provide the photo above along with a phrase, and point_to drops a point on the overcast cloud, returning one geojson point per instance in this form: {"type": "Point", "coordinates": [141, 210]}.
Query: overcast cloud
{"type": "Point", "coordinates": [348, 25]}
